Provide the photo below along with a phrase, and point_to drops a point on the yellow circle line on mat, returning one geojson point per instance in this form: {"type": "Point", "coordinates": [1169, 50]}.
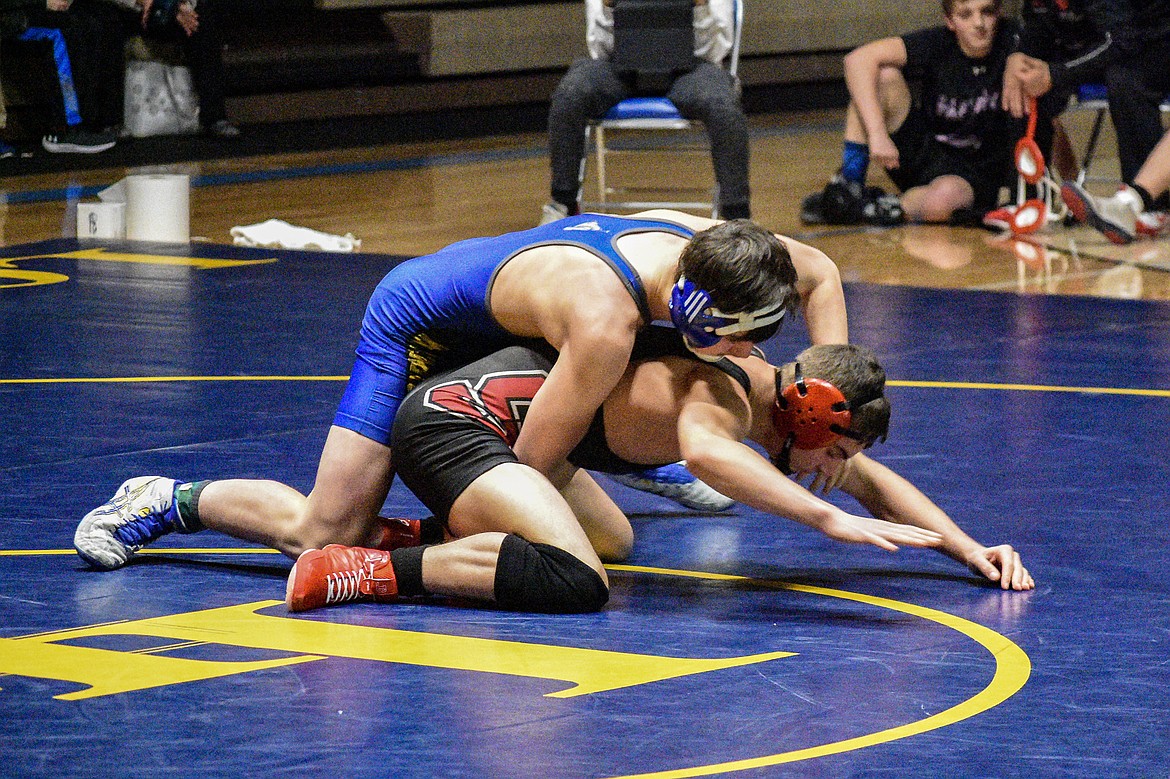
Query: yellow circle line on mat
{"type": "Point", "coordinates": [1012, 669]}
{"type": "Point", "coordinates": [1012, 665]}
{"type": "Point", "coordinates": [1161, 393]}
{"type": "Point", "coordinates": [1158, 393]}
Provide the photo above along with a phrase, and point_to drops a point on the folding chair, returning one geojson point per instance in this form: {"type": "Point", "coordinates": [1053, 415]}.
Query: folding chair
{"type": "Point", "coordinates": [1091, 97]}
{"type": "Point", "coordinates": [660, 126]}
{"type": "Point", "coordinates": [1094, 97]}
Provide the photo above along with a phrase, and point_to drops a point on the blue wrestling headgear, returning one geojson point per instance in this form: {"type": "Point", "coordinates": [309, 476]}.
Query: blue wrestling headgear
{"type": "Point", "coordinates": [703, 325]}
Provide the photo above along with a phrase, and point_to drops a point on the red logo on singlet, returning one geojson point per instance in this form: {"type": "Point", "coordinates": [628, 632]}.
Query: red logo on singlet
{"type": "Point", "coordinates": [498, 401]}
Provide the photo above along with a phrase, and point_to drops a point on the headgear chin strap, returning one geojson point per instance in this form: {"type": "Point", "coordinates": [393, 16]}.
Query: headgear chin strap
{"type": "Point", "coordinates": [812, 413]}
{"type": "Point", "coordinates": [704, 325]}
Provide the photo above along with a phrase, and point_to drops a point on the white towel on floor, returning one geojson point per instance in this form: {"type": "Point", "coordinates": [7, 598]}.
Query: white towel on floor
{"type": "Point", "coordinates": [277, 234]}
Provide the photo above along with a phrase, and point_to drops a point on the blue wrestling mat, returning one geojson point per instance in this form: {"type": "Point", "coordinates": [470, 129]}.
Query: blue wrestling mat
{"type": "Point", "coordinates": [736, 644]}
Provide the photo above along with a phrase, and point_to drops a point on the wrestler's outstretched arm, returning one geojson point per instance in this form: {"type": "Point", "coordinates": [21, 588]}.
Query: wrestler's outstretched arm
{"type": "Point", "coordinates": [889, 496]}
{"type": "Point", "coordinates": [710, 440]}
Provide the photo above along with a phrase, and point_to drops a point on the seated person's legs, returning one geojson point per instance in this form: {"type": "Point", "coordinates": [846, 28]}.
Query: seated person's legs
{"type": "Point", "coordinates": [199, 30]}
{"type": "Point", "coordinates": [846, 199]}
{"type": "Point", "coordinates": [588, 90]}
{"type": "Point", "coordinates": [938, 200]}
{"type": "Point", "coordinates": [98, 73]}
{"type": "Point", "coordinates": [939, 182]}
{"type": "Point", "coordinates": [72, 43]}
{"type": "Point", "coordinates": [205, 52]}
{"type": "Point", "coordinates": [1133, 211]}
{"type": "Point", "coordinates": [1063, 157]}
{"type": "Point", "coordinates": [708, 93]}
{"type": "Point", "coordinates": [1139, 209]}
{"type": "Point", "coordinates": [1050, 135]}
{"type": "Point", "coordinates": [1134, 100]}
{"type": "Point", "coordinates": [1154, 175]}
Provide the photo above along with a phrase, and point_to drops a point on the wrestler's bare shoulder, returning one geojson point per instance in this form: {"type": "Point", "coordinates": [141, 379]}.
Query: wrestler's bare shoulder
{"type": "Point", "coordinates": [677, 217]}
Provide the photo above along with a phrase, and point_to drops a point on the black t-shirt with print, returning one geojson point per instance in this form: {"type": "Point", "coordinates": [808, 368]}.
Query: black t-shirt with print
{"type": "Point", "coordinates": [960, 96]}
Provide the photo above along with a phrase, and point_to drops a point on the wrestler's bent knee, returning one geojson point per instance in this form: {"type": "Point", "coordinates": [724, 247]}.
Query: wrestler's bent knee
{"type": "Point", "coordinates": [543, 578]}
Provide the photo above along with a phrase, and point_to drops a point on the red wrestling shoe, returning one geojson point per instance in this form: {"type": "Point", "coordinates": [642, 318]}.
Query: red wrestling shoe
{"type": "Point", "coordinates": [398, 533]}
{"type": "Point", "coordinates": [339, 574]}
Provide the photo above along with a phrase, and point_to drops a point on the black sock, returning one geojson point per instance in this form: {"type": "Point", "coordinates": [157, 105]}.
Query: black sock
{"type": "Point", "coordinates": [407, 564]}
{"type": "Point", "coordinates": [1147, 199]}
{"type": "Point", "coordinates": [430, 531]}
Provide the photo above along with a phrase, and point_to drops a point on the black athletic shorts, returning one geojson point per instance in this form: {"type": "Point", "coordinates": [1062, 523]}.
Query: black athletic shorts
{"type": "Point", "coordinates": [454, 428]}
{"type": "Point", "coordinates": [922, 159]}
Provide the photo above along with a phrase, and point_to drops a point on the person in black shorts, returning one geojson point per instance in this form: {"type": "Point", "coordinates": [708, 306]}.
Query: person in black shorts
{"type": "Point", "coordinates": [926, 107]}
{"type": "Point", "coordinates": [517, 542]}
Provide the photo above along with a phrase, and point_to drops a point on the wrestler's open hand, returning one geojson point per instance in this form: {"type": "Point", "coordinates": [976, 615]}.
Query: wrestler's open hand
{"type": "Point", "coordinates": [1001, 564]}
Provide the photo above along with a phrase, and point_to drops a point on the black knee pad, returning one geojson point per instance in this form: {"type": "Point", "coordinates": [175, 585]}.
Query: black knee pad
{"type": "Point", "coordinates": [543, 578]}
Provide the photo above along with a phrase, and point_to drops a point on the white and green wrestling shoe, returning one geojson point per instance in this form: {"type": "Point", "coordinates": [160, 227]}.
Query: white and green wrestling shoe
{"type": "Point", "coordinates": [674, 481]}
{"type": "Point", "coordinates": [142, 510]}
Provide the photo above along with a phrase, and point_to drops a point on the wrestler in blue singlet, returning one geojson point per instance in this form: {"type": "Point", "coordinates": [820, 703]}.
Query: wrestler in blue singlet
{"type": "Point", "coordinates": [429, 305]}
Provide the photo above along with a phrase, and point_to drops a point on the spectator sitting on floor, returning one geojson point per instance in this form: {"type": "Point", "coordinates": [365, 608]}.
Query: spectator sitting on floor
{"type": "Point", "coordinates": [948, 151]}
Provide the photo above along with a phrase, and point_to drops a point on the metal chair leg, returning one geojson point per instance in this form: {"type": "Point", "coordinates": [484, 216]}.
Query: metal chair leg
{"type": "Point", "coordinates": [1091, 148]}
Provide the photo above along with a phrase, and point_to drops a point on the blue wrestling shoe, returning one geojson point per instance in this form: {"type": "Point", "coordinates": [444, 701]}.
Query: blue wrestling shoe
{"type": "Point", "coordinates": [674, 481]}
{"type": "Point", "coordinates": [142, 510]}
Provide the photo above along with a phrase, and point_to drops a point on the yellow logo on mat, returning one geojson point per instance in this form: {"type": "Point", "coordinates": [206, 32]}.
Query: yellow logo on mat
{"type": "Point", "coordinates": [107, 672]}
{"type": "Point", "coordinates": [11, 276]}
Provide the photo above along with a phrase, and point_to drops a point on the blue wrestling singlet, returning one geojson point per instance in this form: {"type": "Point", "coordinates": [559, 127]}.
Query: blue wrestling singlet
{"type": "Point", "coordinates": [429, 306]}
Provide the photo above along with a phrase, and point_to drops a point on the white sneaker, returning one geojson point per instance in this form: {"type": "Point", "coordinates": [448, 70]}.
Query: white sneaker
{"type": "Point", "coordinates": [552, 211]}
{"type": "Point", "coordinates": [1114, 217]}
{"type": "Point", "coordinates": [142, 510]}
{"type": "Point", "coordinates": [677, 483]}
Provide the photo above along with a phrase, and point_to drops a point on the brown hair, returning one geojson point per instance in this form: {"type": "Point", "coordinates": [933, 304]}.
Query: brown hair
{"type": "Point", "coordinates": [948, 6]}
{"type": "Point", "coordinates": [743, 267]}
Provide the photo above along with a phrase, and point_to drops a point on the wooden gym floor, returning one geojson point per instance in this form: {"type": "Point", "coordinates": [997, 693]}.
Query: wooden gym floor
{"type": "Point", "coordinates": [413, 198]}
{"type": "Point", "coordinates": [1031, 394]}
